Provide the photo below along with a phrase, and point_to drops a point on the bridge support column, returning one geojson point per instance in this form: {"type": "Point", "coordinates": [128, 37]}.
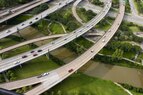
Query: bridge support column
{"type": "Point", "coordinates": [47, 54]}
{"type": "Point", "coordinates": [22, 38]}
{"type": "Point", "coordinates": [92, 58]}
{"type": "Point", "coordinates": [5, 77]}
{"type": "Point", "coordinates": [3, 73]}
{"type": "Point", "coordinates": [20, 66]}
{"type": "Point", "coordinates": [1, 56]}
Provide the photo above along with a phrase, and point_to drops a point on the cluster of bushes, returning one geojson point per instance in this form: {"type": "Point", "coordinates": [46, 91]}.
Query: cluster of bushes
{"type": "Point", "coordinates": [88, 14]}
{"type": "Point", "coordinates": [66, 18]}
{"type": "Point", "coordinates": [115, 3]}
{"type": "Point", "coordinates": [126, 34]}
{"type": "Point", "coordinates": [39, 9]}
{"type": "Point", "coordinates": [23, 89]}
{"type": "Point", "coordinates": [115, 59]}
{"type": "Point", "coordinates": [67, 93]}
{"type": "Point", "coordinates": [75, 47]}
{"type": "Point", "coordinates": [2, 78]}
{"type": "Point", "coordinates": [104, 22]}
{"type": "Point", "coordinates": [97, 2]}
{"type": "Point", "coordinates": [135, 89]}
{"type": "Point", "coordinates": [9, 75]}
{"type": "Point", "coordinates": [109, 60]}
{"type": "Point", "coordinates": [79, 45]}
{"type": "Point", "coordinates": [128, 9]}
{"type": "Point", "coordinates": [56, 60]}
{"type": "Point", "coordinates": [127, 47]}
{"type": "Point", "coordinates": [42, 26]}
{"type": "Point", "coordinates": [139, 5]}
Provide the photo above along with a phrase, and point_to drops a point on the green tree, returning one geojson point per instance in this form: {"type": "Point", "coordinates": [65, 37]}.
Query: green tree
{"type": "Point", "coordinates": [118, 54]}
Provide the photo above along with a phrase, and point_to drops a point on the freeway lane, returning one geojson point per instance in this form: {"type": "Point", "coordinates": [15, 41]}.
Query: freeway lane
{"type": "Point", "coordinates": [31, 41]}
{"type": "Point", "coordinates": [25, 8]}
{"type": "Point", "coordinates": [34, 19]}
{"type": "Point", "coordinates": [12, 10]}
{"type": "Point", "coordinates": [73, 35]}
{"type": "Point", "coordinates": [74, 7]}
{"type": "Point", "coordinates": [16, 60]}
{"type": "Point", "coordinates": [84, 58]}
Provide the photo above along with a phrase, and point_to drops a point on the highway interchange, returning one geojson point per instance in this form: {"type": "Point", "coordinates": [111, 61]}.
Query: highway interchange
{"type": "Point", "coordinates": [63, 72]}
{"type": "Point", "coordinates": [10, 13]}
{"type": "Point", "coordinates": [57, 75]}
{"type": "Point", "coordinates": [34, 19]}
{"type": "Point", "coordinates": [19, 59]}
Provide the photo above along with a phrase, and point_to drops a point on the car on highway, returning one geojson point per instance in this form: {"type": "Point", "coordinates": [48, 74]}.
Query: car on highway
{"type": "Point", "coordinates": [71, 70]}
{"type": "Point", "coordinates": [30, 22]}
{"type": "Point", "coordinates": [103, 40]}
{"type": "Point", "coordinates": [35, 54]}
{"type": "Point", "coordinates": [36, 18]}
{"type": "Point", "coordinates": [24, 56]}
{"type": "Point", "coordinates": [92, 51]}
{"type": "Point", "coordinates": [8, 31]}
{"type": "Point", "coordinates": [43, 75]}
{"type": "Point", "coordinates": [52, 42]}
{"type": "Point", "coordinates": [65, 39]}
{"type": "Point", "coordinates": [23, 24]}
{"type": "Point", "coordinates": [40, 50]}
{"type": "Point", "coordinates": [32, 51]}
{"type": "Point", "coordinates": [16, 62]}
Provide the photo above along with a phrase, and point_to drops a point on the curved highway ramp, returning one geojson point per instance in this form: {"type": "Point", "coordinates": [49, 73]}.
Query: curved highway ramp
{"type": "Point", "coordinates": [65, 71]}
{"type": "Point", "coordinates": [24, 57]}
{"type": "Point", "coordinates": [36, 79]}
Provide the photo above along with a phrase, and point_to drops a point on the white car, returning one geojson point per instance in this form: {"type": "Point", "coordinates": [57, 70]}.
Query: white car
{"type": "Point", "coordinates": [42, 75]}
{"type": "Point", "coordinates": [16, 62]}
{"type": "Point", "coordinates": [103, 40]}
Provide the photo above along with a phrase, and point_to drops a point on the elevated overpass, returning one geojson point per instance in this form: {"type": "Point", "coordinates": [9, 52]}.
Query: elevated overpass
{"type": "Point", "coordinates": [10, 13]}
{"type": "Point", "coordinates": [19, 59]}
{"type": "Point", "coordinates": [30, 41]}
{"type": "Point", "coordinates": [53, 74]}
{"type": "Point", "coordinates": [16, 8]}
{"type": "Point", "coordinates": [34, 19]}
{"type": "Point", "coordinates": [63, 71]}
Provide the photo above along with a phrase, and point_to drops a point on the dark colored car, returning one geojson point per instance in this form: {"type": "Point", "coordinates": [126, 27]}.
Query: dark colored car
{"type": "Point", "coordinates": [35, 54]}
{"type": "Point", "coordinates": [24, 56]}
{"type": "Point", "coordinates": [70, 70]}
{"type": "Point", "coordinates": [32, 51]}
{"type": "Point", "coordinates": [40, 50]}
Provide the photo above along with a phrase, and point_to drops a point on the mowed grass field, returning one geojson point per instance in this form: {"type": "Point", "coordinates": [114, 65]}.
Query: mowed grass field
{"type": "Point", "coordinates": [56, 28]}
{"type": "Point", "coordinates": [80, 84]}
{"type": "Point", "coordinates": [35, 67]}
